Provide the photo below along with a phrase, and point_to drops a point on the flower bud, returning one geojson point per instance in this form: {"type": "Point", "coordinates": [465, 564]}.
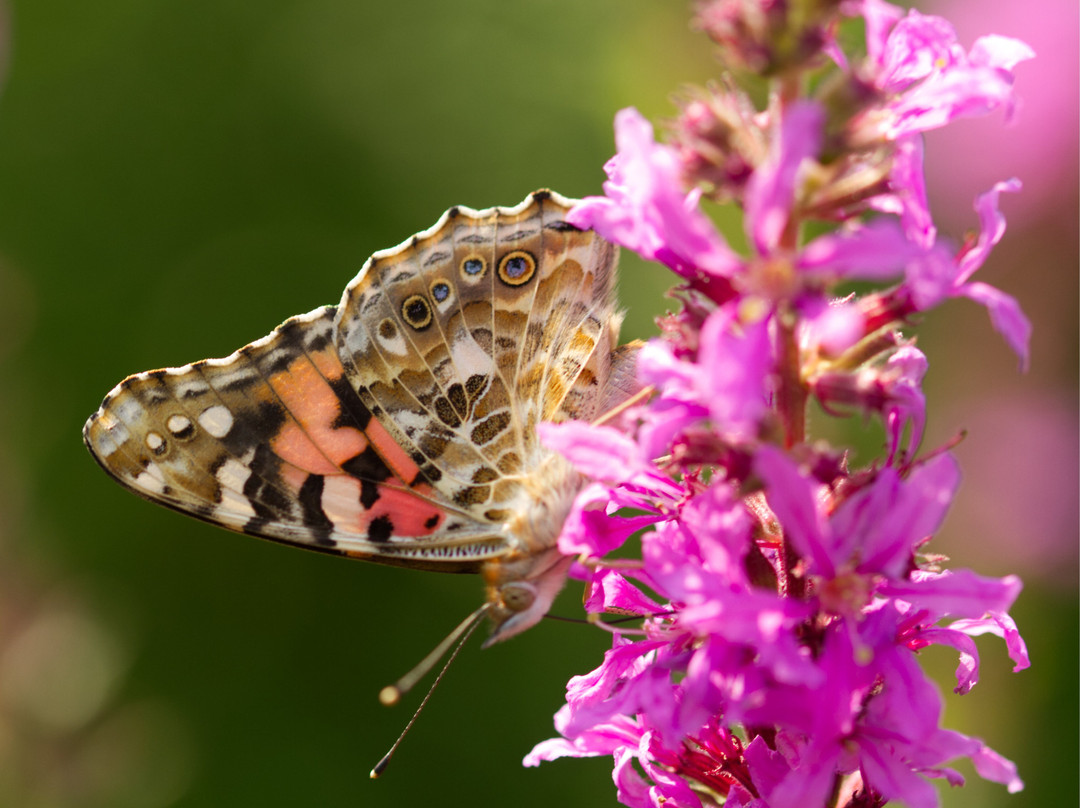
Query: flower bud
{"type": "Point", "coordinates": [718, 139]}
{"type": "Point", "coordinates": [767, 36]}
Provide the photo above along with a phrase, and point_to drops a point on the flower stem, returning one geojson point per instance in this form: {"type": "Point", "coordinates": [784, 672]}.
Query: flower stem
{"type": "Point", "coordinates": [791, 397]}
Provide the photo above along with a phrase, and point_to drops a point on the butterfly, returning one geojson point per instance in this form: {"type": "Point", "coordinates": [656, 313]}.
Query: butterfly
{"type": "Point", "coordinates": [399, 426]}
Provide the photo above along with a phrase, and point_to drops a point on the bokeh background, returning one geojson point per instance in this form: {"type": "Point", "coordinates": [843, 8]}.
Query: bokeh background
{"type": "Point", "coordinates": [178, 176]}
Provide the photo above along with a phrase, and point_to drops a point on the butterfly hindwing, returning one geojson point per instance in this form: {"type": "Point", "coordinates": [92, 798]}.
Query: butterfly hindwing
{"type": "Point", "coordinates": [466, 336]}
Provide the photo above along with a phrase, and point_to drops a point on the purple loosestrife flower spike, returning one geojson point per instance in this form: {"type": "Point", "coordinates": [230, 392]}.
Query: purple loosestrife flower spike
{"type": "Point", "coordinates": [783, 595]}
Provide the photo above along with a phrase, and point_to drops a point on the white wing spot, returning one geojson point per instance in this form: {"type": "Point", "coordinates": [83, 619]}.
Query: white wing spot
{"type": "Point", "coordinates": [216, 420]}
{"type": "Point", "coordinates": [233, 507]}
{"type": "Point", "coordinates": [233, 474]}
{"type": "Point", "coordinates": [151, 479]}
{"type": "Point", "coordinates": [395, 344]}
{"type": "Point", "coordinates": [469, 358]}
{"type": "Point", "coordinates": [341, 501]}
{"type": "Point", "coordinates": [178, 423]}
{"type": "Point", "coordinates": [154, 441]}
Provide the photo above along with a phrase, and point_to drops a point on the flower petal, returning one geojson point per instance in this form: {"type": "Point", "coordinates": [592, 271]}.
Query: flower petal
{"type": "Point", "coordinates": [879, 250]}
{"type": "Point", "coordinates": [1006, 316]}
{"type": "Point", "coordinates": [961, 593]}
{"type": "Point", "coordinates": [645, 209]}
{"type": "Point", "coordinates": [770, 191]}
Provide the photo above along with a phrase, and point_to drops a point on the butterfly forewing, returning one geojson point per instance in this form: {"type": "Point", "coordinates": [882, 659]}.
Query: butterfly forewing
{"type": "Point", "coordinates": [272, 441]}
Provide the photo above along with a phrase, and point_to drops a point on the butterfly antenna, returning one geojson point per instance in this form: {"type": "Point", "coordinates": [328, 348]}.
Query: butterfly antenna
{"type": "Point", "coordinates": [391, 694]}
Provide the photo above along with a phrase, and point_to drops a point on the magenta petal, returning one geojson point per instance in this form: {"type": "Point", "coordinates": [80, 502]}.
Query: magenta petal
{"type": "Point", "coordinates": [670, 789]}
{"type": "Point", "coordinates": [1006, 316]}
{"type": "Point", "coordinates": [600, 452]}
{"type": "Point", "coordinates": [907, 197]}
{"type": "Point", "coordinates": [767, 768]}
{"type": "Point", "coordinates": [552, 749]}
{"type": "Point", "coordinates": [807, 784]}
{"type": "Point", "coordinates": [611, 591]}
{"type": "Point", "coordinates": [992, 766]}
{"type": "Point", "coordinates": [645, 209]}
{"type": "Point", "coordinates": [586, 519]}
{"type": "Point", "coordinates": [951, 776]}
{"type": "Point", "coordinates": [602, 694]}
{"type": "Point", "coordinates": [893, 777]}
{"type": "Point", "coordinates": [967, 673]}
{"type": "Point", "coordinates": [880, 18]}
{"type": "Point", "coordinates": [1002, 625]}
{"type": "Point", "coordinates": [905, 403]}
{"type": "Point", "coordinates": [735, 361]}
{"type": "Point", "coordinates": [589, 530]}
{"type": "Point", "coordinates": [1014, 643]}
{"type": "Point", "coordinates": [792, 500]}
{"type": "Point", "coordinates": [603, 739]}
{"type": "Point", "coordinates": [917, 47]}
{"type": "Point", "coordinates": [657, 365]}
{"type": "Point", "coordinates": [1004, 52]}
{"type": "Point", "coordinates": [941, 99]}
{"type": "Point", "coordinates": [991, 227]}
{"type": "Point", "coordinates": [948, 745]}
{"type": "Point", "coordinates": [931, 277]}
{"type": "Point", "coordinates": [667, 418]}
{"type": "Point", "coordinates": [960, 593]}
{"type": "Point", "coordinates": [870, 523]}
{"type": "Point", "coordinates": [771, 189]}
{"type": "Point", "coordinates": [722, 527]}
{"type": "Point", "coordinates": [631, 789]}
{"type": "Point", "coordinates": [878, 251]}
{"type": "Point", "coordinates": [832, 327]}
{"type": "Point", "coordinates": [916, 513]}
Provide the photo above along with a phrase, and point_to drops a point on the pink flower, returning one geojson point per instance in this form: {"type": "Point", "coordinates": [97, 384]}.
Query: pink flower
{"type": "Point", "coordinates": [874, 532]}
{"type": "Point", "coordinates": [925, 78]}
{"type": "Point", "coordinates": [728, 383]}
{"type": "Point", "coordinates": [875, 251]}
{"type": "Point", "coordinates": [646, 209]}
{"type": "Point", "coordinates": [939, 275]}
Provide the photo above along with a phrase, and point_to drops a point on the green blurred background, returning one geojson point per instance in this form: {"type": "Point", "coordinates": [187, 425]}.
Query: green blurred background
{"type": "Point", "coordinates": [176, 177]}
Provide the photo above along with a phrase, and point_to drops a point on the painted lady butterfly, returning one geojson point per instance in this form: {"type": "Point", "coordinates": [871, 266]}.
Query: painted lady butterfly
{"type": "Point", "coordinates": [400, 425]}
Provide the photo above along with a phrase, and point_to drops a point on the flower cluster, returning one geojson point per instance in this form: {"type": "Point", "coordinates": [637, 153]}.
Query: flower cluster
{"type": "Point", "coordinates": [784, 595]}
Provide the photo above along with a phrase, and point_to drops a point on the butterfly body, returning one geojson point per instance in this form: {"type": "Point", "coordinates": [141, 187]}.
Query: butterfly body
{"type": "Point", "coordinates": [400, 425]}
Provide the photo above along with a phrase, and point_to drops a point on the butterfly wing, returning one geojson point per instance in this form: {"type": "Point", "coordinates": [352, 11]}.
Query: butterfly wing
{"type": "Point", "coordinates": [464, 338]}
{"type": "Point", "coordinates": [398, 426]}
{"type": "Point", "coordinates": [273, 441]}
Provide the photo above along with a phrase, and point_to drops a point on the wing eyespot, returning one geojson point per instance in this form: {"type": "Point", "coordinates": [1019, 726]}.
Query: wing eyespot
{"type": "Point", "coordinates": [440, 291]}
{"type": "Point", "coordinates": [416, 312]}
{"type": "Point", "coordinates": [473, 268]}
{"type": "Point", "coordinates": [517, 268]}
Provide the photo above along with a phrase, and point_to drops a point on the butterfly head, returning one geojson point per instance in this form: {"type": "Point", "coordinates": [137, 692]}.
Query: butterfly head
{"type": "Point", "coordinates": [516, 602]}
